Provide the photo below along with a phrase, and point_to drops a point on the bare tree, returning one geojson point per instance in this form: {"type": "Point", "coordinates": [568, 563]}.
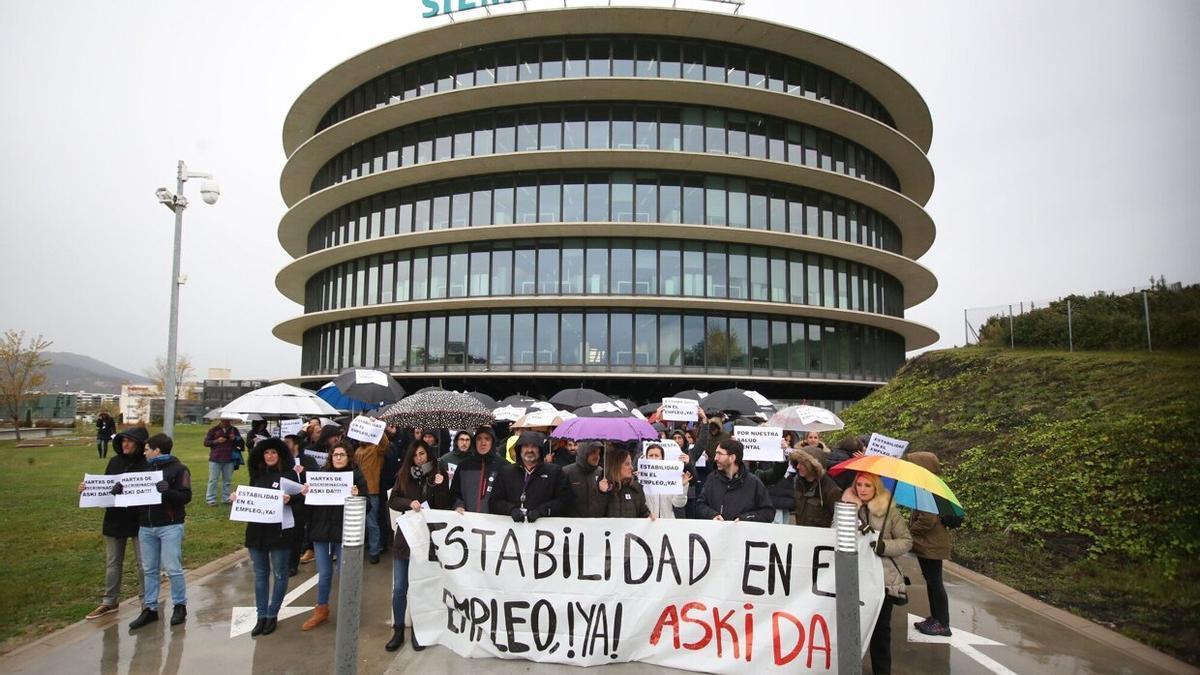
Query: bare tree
{"type": "Point", "coordinates": [183, 371]}
{"type": "Point", "coordinates": [21, 369]}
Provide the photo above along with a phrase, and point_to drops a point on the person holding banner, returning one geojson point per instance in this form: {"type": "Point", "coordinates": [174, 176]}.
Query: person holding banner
{"type": "Point", "coordinates": [419, 483]}
{"type": "Point", "coordinates": [161, 531]}
{"type": "Point", "coordinates": [621, 496]}
{"type": "Point", "coordinates": [877, 513]}
{"type": "Point", "coordinates": [269, 544]}
{"type": "Point", "coordinates": [663, 506]}
{"type": "Point", "coordinates": [581, 478]}
{"type": "Point", "coordinates": [732, 493]}
{"type": "Point", "coordinates": [815, 492]}
{"type": "Point", "coordinates": [121, 522]}
{"type": "Point", "coordinates": [325, 530]}
{"type": "Point", "coordinates": [533, 488]}
{"type": "Point", "coordinates": [473, 481]}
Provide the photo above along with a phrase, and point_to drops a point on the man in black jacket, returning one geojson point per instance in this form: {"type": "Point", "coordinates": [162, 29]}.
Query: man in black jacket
{"type": "Point", "coordinates": [582, 477]}
{"type": "Point", "coordinates": [161, 531]}
{"type": "Point", "coordinates": [474, 479]}
{"type": "Point", "coordinates": [731, 492]}
{"type": "Point", "coordinates": [533, 488]}
{"type": "Point", "coordinates": [121, 522]}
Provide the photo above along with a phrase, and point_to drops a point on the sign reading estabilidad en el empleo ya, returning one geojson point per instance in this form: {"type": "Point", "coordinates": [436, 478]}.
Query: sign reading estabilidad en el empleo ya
{"type": "Point", "coordinates": [442, 7]}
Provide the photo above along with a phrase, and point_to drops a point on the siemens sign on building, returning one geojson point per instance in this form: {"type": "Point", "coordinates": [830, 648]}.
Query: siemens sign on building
{"type": "Point", "coordinates": [641, 200]}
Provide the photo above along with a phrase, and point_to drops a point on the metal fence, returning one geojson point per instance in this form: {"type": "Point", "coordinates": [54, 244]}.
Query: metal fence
{"type": "Point", "coordinates": [1117, 319]}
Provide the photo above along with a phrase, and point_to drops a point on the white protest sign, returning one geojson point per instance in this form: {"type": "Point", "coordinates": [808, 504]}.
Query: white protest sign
{"type": "Point", "coordinates": [882, 445]}
{"type": "Point", "coordinates": [762, 401]}
{"type": "Point", "coordinates": [321, 457]}
{"type": "Point", "coordinates": [450, 469]}
{"type": "Point", "coordinates": [257, 505]}
{"type": "Point", "coordinates": [670, 448]}
{"type": "Point", "coordinates": [139, 489]}
{"type": "Point", "coordinates": [661, 477]}
{"type": "Point", "coordinates": [97, 491]}
{"type": "Point", "coordinates": [761, 443]}
{"type": "Point", "coordinates": [680, 410]}
{"type": "Point", "coordinates": [290, 487]}
{"type": "Point", "coordinates": [290, 427]}
{"type": "Point", "coordinates": [328, 488]}
{"type": "Point", "coordinates": [365, 429]}
{"type": "Point", "coordinates": [691, 594]}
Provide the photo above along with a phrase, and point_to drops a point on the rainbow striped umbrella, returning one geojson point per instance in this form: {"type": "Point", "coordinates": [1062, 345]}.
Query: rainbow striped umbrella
{"type": "Point", "coordinates": [915, 486]}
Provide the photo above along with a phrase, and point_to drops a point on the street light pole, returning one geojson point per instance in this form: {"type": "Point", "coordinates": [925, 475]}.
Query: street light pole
{"type": "Point", "coordinates": [177, 203]}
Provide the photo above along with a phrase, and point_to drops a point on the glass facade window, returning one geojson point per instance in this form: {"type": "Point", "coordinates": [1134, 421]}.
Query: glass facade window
{"type": "Point", "coordinates": [604, 126]}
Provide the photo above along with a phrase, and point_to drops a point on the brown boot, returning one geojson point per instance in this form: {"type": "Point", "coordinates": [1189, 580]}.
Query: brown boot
{"type": "Point", "coordinates": [320, 616]}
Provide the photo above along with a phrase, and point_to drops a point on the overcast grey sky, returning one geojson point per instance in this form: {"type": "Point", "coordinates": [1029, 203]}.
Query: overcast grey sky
{"type": "Point", "coordinates": [1065, 148]}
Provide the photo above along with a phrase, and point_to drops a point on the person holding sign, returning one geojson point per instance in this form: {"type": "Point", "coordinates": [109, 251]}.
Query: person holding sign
{"type": "Point", "coordinates": [161, 531]}
{"type": "Point", "coordinates": [269, 544]}
{"type": "Point", "coordinates": [877, 513]}
{"type": "Point", "coordinates": [121, 523]}
{"type": "Point", "coordinates": [418, 483]}
{"type": "Point", "coordinates": [369, 459]}
{"type": "Point", "coordinates": [533, 488]}
{"type": "Point", "coordinates": [731, 492]}
{"type": "Point", "coordinates": [621, 496]}
{"type": "Point", "coordinates": [663, 506]}
{"type": "Point", "coordinates": [325, 530]}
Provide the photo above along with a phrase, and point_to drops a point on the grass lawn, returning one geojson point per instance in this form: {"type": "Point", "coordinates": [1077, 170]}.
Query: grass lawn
{"type": "Point", "coordinates": [54, 551]}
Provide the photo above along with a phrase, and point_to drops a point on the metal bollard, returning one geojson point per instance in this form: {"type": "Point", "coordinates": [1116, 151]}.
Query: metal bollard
{"type": "Point", "coordinates": [845, 571]}
{"type": "Point", "coordinates": [349, 607]}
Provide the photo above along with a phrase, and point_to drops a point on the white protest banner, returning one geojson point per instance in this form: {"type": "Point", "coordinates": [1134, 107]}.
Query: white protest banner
{"type": "Point", "coordinates": [670, 448]}
{"type": "Point", "coordinates": [661, 477]}
{"type": "Point", "coordinates": [680, 410]}
{"type": "Point", "coordinates": [882, 445]}
{"type": "Point", "coordinates": [320, 457]}
{"type": "Point", "coordinates": [290, 427]}
{"type": "Point", "coordinates": [365, 429]}
{"type": "Point", "coordinates": [761, 443]}
{"type": "Point", "coordinates": [257, 505]}
{"type": "Point", "coordinates": [328, 488]}
{"type": "Point", "coordinates": [97, 491]}
{"type": "Point", "coordinates": [139, 488]}
{"type": "Point", "coordinates": [691, 594]}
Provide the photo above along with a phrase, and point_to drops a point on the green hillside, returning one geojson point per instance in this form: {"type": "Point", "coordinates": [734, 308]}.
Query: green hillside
{"type": "Point", "coordinates": [1080, 475]}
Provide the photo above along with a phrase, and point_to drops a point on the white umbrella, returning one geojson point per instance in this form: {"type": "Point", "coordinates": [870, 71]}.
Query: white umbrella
{"type": "Point", "coordinates": [280, 400]}
{"type": "Point", "coordinates": [509, 412]}
{"type": "Point", "coordinates": [806, 418]}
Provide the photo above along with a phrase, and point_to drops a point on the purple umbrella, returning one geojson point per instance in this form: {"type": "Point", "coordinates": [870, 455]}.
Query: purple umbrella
{"type": "Point", "coordinates": [617, 429]}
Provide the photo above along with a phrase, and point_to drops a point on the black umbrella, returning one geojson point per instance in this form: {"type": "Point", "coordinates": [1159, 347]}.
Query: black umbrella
{"type": "Point", "coordinates": [439, 410]}
{"type": "Point", "coordinates": [483, 398]}
{"type": "Point", "coordinates": [743, 401]}
{"type": "Point", "coordinates": [694, 394]}
{"type": "Point", "coordinates": [517, 400]}
{"type": "Point", "coordinates": [602, 410]}
{"type": "Point", "coordinates": [649, 409]}
{"type": "Point", "coordinates": [628, 403]}
{"type": "Point", "coordinates": [577, 398]}
{"type": "Point", "coordinates": [372, 387]}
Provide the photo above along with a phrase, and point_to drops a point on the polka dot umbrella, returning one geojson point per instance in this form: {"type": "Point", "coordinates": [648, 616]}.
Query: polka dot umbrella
{"type": "Point", "coordinates": [438, 409]}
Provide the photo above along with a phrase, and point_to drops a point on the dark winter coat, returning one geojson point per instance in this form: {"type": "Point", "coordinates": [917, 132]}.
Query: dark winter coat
{"type": "Point", "coordinates": [325, 522]}
{"type": "Point", "coordinates": [221, 452]}
{"type": "Point", "coordinates": [426, 490]}
{"type": "Point", "coordinates": [814, 500]}
{"type": "Point", "coordinates": [172, 510]}
{"type": "Point", "coordinates": [581, 480]}
{"type": "Point", "coordinates": [625, 501]}
{"type": "Point", "coordinates": [930, 538]}
{"type": "Point", "coordinates": [474, 481]}
{"type": "Point", "coordinates": [545, 492]}
{"type": "Point", "coordinates": [105, 428]}
{"type": "Point", "coordinates": [742, 497]}
{"type": "Point", "coordinates": [122, 521]}
{"type": "Point", "coordinates": [272, 535]}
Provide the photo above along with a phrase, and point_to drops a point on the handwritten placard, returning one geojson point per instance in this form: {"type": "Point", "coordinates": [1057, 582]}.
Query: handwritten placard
{"type": "Point", "coordinates": [328, 488]}
{"type": "Point", "coordinates": [761, 443]}
{"type": "Point", "coordinates": [97, 491]}
{"type": "Point", "coordinates": [680, 410]}
{"type": "Point", "coordinates": [882, 445]}
{"type": "Point", "coordinates": [290, 427]}
{"type": "Point", "coordinates": [661, 477]}
{"type": "Point", "coordinates": [365, 429]}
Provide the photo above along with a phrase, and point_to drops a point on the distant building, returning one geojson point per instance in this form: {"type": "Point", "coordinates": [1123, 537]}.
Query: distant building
{"type": "Point", "coordinates": [88, 403]}
{"type": "Point", "coordinates": [220, 374]}
{"type": "Point", "coordinates": [135, 402]}
{"type": "Point", "coordinates": [50, 407]}
{"type": "Point", "coordinates": [186, 411]}
{"type": "Point", "coordinates": [215, 393]}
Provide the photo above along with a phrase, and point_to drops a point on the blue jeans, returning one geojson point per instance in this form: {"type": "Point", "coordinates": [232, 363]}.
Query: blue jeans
{"type": "Point", "coordinates": [326, 551]}
{"type": "Point", "coordinates": [269, 563]}
{"type": "Point", "coordinates": [163, 546]}
{"type": "Point", "coordinates": [373, 546]}
{"type": "Point", "coordinates": [224, 471]}
{"type": "Point", "coordinates": [399, 592]}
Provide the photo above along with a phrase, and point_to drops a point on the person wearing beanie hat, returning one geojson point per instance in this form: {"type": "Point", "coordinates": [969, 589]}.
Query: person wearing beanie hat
{"type": "Point", "coordinates": [121, 522]}
{"type": "Point", "coordinates": [161, 532]}
{"type": "Point", "coordinates": [533, 488]}
{"type": "Point", "coordinates": [733, 493]}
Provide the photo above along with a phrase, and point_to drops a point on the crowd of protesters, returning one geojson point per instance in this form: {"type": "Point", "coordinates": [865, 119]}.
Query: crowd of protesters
{"type": "Point", "coordinates": [518, 473]}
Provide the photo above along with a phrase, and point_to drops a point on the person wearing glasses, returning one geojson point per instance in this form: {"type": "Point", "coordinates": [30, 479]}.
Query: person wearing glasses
{"type": "Point", "coordinates": [732, 493]}
{"type": "Point", "coordinates": [325, 530]}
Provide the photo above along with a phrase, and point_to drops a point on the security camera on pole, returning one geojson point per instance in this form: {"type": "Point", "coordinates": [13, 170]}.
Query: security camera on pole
{"type": "Point", "coordinates": [209, 191]}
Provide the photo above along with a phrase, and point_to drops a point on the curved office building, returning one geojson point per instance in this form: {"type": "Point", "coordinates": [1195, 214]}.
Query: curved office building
{"type": "Point", "coordinates": [639, 200]}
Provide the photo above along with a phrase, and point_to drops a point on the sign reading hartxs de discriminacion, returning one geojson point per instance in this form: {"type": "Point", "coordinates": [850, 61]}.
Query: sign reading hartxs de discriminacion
{"type": "Point", "coordinates": [699, 595]}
